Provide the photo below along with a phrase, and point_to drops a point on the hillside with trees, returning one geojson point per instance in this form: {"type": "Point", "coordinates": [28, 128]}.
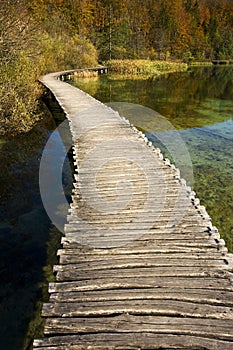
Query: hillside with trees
{"type": "Point", "coordinates": [38, 36]}
{"type": "Point", "coordinates": [160, 29]}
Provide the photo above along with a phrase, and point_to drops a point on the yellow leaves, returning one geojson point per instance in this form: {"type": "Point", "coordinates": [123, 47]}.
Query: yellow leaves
{"type": "Point", "coordinates": [19, 95]}
{"type": "Point", "coordinates": [144, 67]}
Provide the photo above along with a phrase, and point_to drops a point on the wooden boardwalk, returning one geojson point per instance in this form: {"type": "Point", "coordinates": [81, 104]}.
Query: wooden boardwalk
{"type": "Point", "coordinates": [141, 266]}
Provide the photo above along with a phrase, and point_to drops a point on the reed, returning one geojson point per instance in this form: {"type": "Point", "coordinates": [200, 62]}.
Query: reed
{"type": "Point", "coordinates": [144, 67]}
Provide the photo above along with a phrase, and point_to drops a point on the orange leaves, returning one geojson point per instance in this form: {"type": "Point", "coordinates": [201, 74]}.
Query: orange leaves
{"type": "Point", "coordinates": [135, 27]}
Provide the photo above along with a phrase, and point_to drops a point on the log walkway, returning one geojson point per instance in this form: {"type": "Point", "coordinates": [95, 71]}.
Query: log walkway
{"type": "Point", "coordinates": [141, 266]}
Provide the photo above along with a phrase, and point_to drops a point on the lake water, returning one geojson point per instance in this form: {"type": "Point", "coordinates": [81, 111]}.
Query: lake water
{"type": "Point", "coordinates": [199, 104]}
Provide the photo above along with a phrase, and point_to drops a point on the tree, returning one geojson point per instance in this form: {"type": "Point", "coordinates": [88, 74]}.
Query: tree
{"type": "Point", "coordinates": [17, 30]}
{"type": "Point", "coordinates": [110, 33]}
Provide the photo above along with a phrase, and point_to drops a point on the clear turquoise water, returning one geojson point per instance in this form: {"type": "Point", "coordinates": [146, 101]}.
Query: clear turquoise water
{"type": "Point", "coordinates": [199, 104]}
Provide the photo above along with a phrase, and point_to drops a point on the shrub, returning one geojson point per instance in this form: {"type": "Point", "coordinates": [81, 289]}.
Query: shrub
{"type": "Point", "coordinates": [19, 97]}
{"type": "Point", "coordinates": [20, 89]}
{"type": "Point", "coordinates": [64, 53]}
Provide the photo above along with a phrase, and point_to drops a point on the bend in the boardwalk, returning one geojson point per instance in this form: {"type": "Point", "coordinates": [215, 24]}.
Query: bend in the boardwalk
{"type": "Point", "coordinates": [141, 265]}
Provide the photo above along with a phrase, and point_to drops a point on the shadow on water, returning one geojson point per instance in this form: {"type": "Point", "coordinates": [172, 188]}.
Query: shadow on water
{"type": "Point", "coordinates": [28, 239]}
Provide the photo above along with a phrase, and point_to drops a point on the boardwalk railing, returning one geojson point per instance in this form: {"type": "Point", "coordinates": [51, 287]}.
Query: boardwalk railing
{"type": "Point", "coordinates": [141, 266]}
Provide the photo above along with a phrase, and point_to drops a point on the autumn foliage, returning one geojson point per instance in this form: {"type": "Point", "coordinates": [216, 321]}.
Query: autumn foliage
{"type": "Point", "coordinates": [39, 36]}
{"type": "Point", "coordinates": [190, 29]}
{"type": "Point", "coordinates": [33, 42]}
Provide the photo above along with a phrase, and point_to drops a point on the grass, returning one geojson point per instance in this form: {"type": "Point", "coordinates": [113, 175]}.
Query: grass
{"type": "Point", "coordinates": [200, 63]}
{"type": "Point", "coordinates": [144, 67]}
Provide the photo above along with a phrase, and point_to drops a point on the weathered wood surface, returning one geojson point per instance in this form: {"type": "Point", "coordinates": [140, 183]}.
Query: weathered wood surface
{"type": "Point", "coordinates": [141, 265]}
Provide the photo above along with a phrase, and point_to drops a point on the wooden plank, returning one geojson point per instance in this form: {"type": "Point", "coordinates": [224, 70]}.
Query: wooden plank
{"type": "Point", "coordinates": [157, 222]}
{"type": "Point", "coordinates": [106, 276]}
{"type": "Point", "coordinates": [132, 341]}
{"type": "Point", "coordinates": [141, 247]}
{"type": "Point", "coordinates": [104, 239]}
{"type": "Point", "coordinates": [155, 219]}
{"type": "Point", "coordinates": [172, 191]}
{"type": "Point", "coordinates": [69, 273]}
{"type": "Point", "coordinates": [125, 323]}
{"type": "Point", "coordinates": [157, 234]}
{"type": "Point", "coordinates": [140, 282]}
{"type": "Point", "coordinates": [168, 208]}
{"type": "Point", "coordinates": [135, 249]}
{"type": "Point", "coordinates": [138, 307]}
{"type": "Point", "coordinates": [139, 261]}
{"type": "Point", "coordinates": [168, 190]}
{"type": "Point", "coordinates": [206, 296]}
{"type": "Point", "coordinates": [161, 232]}
{"type": "Point", "coordinates": [162, 200]}
{"type": "Point", "coordinates": [124, 235]}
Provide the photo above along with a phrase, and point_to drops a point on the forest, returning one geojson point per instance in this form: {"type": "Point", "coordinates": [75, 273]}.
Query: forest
{"type": "Point", "coordinates": [158, 29]}
{"type": "Point", "coordinates": [39, 36]}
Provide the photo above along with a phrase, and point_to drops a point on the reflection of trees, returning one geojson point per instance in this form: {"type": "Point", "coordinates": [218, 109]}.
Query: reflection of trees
{"type": "Point", "coordinates": [223, 77]}
{"type": "Point", "coordinates": [180, 97]}
{"type": "Point", "coordinates": [205, 82]}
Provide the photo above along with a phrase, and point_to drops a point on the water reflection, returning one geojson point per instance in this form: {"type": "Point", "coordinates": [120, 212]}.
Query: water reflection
{"type": "Point", "coordinates": [24, 230]}
{"type": "Point", "coordinates": [28, 239]}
